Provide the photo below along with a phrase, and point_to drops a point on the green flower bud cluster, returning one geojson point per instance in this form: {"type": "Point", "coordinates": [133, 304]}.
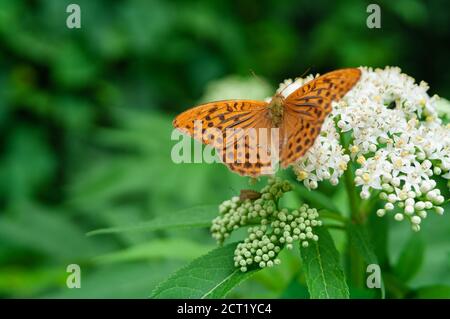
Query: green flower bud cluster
{"type": "Point", "coordinates": [238, 212]}
{"type": "Point", "coordinates": [271, 229]}
{"type": "Point", "coordinates": [263, 243]}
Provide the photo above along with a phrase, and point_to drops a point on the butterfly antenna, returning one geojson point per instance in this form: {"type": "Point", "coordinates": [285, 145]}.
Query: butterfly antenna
{"type": "Point", "coordinates": [301, 76]}
{"type": "Point", "coordinates": [257, 77]}
{"type": "Point", "coordinates": [306, 72]}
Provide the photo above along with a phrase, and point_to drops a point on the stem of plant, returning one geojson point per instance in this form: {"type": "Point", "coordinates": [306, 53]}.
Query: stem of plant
{"type": "Point", "coordinates": [355, 262]}
{"type": "Point", "coordinates": [351, 193]}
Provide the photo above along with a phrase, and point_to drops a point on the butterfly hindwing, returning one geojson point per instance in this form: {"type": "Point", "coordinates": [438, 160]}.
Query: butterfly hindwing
{"type": "Point", "coordinates": [229, 126]}
{"type": "Point", "coordinates": [299, 137]}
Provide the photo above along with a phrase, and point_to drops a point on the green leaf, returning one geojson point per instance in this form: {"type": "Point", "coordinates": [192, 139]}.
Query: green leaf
{"type": "Point", "coordinates": [323, 271]}
{"type": "Point", "coordinates": [174, 248]}
{"type": "Point", "coordinates": [276, 279]}
{"type": "Point", "coordinates": [210, 276]}
{"type": "Point", "coordinates": [359, 238]}
{"type": "Point", "coordinates": [411, 258]}
{"type": "Point", "coordinates": [193, 217]}
{"type": "Point", "coordinates": [433, 292]}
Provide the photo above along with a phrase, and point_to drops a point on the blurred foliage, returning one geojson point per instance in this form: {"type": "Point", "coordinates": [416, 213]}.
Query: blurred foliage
{"type": "Point", "coordinates": [85, 124]}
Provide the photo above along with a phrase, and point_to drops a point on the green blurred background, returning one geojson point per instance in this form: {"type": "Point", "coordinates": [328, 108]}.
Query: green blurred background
{"type": "Point", "coordinates": [85, 124]}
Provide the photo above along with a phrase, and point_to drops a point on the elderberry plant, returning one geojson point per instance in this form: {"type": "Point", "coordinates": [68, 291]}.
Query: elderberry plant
{"type": "Point", "coordinates": [387, 139]}
{"type": "Point", "coordinates": [382, 153]}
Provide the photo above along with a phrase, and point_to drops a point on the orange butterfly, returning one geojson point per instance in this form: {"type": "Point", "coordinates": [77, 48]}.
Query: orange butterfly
{"type": "Point", "coordinates": [243, 131]}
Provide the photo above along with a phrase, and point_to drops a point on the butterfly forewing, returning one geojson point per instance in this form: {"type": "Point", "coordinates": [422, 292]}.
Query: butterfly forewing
{"type": "Point", "coordinates": [306, 109]}
{"type": "Point", "coordinates": [313, 100]}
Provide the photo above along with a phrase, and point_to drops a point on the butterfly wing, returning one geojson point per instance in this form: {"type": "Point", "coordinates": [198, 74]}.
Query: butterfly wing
{"type": "Point", "coordinates": [227, 126]}
{"type": "Point", "coordinates": [307, 107]}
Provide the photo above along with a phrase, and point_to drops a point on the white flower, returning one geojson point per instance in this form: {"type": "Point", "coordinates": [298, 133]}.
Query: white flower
{"type": "Point", "coordinates": [398, 142]}
{"type": "Point", "coordinates": [325, 160]}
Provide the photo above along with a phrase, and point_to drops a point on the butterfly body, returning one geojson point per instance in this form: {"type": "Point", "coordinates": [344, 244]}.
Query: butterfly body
{"type": "Point", "coordinates": [276, 107]}
{"type": "Point", "coordinates": [251, 135]}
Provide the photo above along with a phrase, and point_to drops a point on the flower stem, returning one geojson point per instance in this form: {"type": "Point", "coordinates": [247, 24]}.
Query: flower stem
{"type": "Point", "coordinates": [356, 267]}
{"type": "Point", "coordinates": [348, 176]}
{"type": "Point", "coordinates": [351, 193]}
{"type": "Point", "coordinates": [355, 263]}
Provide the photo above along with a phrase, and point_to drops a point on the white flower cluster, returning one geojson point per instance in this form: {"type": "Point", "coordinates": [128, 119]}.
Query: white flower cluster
{"type": "Point", "coordinates": [397, 141]}
{"type": "Point", "coordinates": [272, 228]}
{"type": "Point", "coordinates": [326, 160]}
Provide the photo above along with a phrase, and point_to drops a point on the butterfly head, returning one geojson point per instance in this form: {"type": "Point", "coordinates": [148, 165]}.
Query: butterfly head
{"type": "Point", "coordinates": [276, 107]}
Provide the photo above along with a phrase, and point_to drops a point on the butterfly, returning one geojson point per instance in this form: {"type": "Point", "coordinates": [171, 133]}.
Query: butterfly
{"type": "Point", "coordinates": [249, 134]}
